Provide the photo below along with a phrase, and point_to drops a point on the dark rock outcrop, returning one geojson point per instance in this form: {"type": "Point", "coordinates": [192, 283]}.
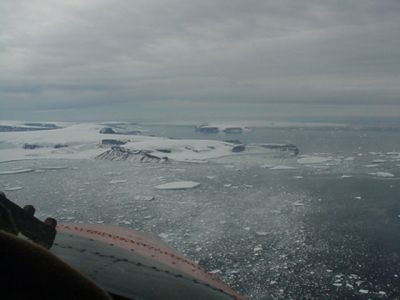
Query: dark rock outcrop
{"type": "Point", "coordinates": [7, 128]}
{"type": "Point", "coordinates": [112, 142]}
{"type": "Point", "coordinates": [31, 146]}
{"type": "Point", "coordinates": [238, 148]}
{"type": "Point", "coordinates": [207, 129]}
{"type": "Point", "coordinates": [233, 130]}
{"type": "Point", "coordinates": [121, 153]}
{"type": "Point", "coordinates": [107, 130]}
{"type": "Point", "coordinates": [44, 125]}
{"type": "Point", "coordinates": [164, 150]}
{"type": "Point", "coordinates": [57, 146]}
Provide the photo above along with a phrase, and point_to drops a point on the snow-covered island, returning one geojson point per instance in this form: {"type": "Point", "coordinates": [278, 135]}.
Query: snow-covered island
{"type": "Point", "coordinates": [95, 141]}
{"type": "Point", "coordinates": [222, 128]}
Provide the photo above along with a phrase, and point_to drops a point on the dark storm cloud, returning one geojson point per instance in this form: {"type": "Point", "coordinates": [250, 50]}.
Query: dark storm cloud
{"type": "Point", "coordinates": [66, 54]}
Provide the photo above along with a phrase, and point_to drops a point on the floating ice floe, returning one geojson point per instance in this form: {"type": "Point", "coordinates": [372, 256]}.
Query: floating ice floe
{"type": "Point", "coordinates": [378, 161]}
{"type": "Point", "coordinates": [163, 235]}
{"type": "Point", "coordinates": [53, 168]}
{"type": "Point", "coordinates": [337, 284]}
{"type": "Point", "coordinates": [125, 222]}
{"type": "Point", "coordinates": [177, 170]}
{"type": "Point", "coordinates": [281, 167]}
{"type": "Point", "coordinates": [298, 203]}
{"type": "Point", "coordinates": [18, 171]}
{"type": "Point", "coordinates": [115, 181]}
{"type": "Point", "coordinates": [266, 166]}
{"type": "Point", "coordinates": [178, 185]}
{"type": "Point", "coordinates": [298, 177]}
{"type": "Point", "coordinates": [229, 166]}
{"type": "Point", "coordinates": [313, 160]}
{"type": "Point", "coordinates": [144, 198]}
{"type": "Point", "coordinates": [382, 174]}
{"type": "Point", "coordinates": [261, 233]}
{"type": "Point", "coordinates": [371, 166]}
{"type": "Point", "coordinates": [11, 189]}
{"type": "Point", "coordinates": [257, 248]}
{"type": "Point", "coordinates": [362, 291]}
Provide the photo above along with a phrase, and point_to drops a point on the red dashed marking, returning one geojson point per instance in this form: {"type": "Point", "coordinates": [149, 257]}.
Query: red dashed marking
{"type": "Point", "coordinates": [93, 232]}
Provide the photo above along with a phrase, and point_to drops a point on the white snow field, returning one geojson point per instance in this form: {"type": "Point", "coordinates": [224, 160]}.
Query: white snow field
{"type": "Point", "coordinates": [84, 141]}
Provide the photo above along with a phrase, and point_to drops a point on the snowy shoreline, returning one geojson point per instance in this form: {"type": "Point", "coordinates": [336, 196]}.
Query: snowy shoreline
{"type": "Point", "coordinates": [90, 140]}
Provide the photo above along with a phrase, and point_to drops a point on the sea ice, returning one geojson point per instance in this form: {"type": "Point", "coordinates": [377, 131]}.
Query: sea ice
{"type": "Point", "coordinates": [378, 161]}
{"type": "Point", "coordinates": [382, 174]}
{"type": "Point", "coordinates": [178, 185]}
{"type": "Point", "coordinates": [313, 160]}
{"type": "Point", "coordinates": [178, 170]}
{"type": "Point", "coordinates": [53, 168]}
{"type": "Point", "coordinates": [261, 233]}
{"type": "Point", "coordinates": [144, 198]}
{"type": "Point", "coordinates": [337, 284]}
{"type": "Point", "coordinates": [371, 166]}
{"type": "Point", "coordinates": [18, 171]}
{"type": "Point", "coordinates": [257, 248]}
{"type": "Point", "coordinates": [163, 235]}
{"type": "Point", "coordinates": [350, 158]}
{"type": "Point", "coordinates": [266, 166]}
{"type": "Point", "coordinates": [346, 176]}
{"type": "Point", "coordinates": [114, 181]}
{"type": "Point", "coordinates": [11, 189]}
{"type": "Point", "coordinates": [281, 167]}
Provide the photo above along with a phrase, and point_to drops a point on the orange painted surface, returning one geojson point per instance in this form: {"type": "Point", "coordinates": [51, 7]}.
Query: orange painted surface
{"type": "Point", "coordinates": [149, 247]}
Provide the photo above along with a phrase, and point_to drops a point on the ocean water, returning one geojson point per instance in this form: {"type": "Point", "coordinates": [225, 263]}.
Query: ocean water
{"type": "Point", "coordinates": [325, 228]}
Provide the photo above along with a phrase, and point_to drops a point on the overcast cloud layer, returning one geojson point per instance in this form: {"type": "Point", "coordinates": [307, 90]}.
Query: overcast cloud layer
{"type": "Point", "coordinates": [208, 59]}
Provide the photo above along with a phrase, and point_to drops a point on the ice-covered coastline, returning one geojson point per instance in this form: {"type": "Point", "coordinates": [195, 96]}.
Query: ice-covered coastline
{"type": "Point", "coordinates": [127, 142]}
{"type": "Point", "coordinates": [90, 140]}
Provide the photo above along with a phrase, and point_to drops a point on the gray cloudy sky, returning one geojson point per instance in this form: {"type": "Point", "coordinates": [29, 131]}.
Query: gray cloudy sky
{"type": "Point", "coordinates": [204, 59]}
